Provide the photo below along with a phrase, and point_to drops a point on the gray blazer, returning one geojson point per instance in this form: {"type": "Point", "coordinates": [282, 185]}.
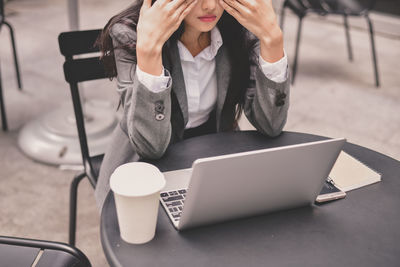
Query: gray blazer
{"type": "Point", "coordinates": [152, 121]}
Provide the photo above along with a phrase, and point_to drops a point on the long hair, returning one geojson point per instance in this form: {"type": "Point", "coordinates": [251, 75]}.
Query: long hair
{"type": "Point", "coordinates": [235, 38]}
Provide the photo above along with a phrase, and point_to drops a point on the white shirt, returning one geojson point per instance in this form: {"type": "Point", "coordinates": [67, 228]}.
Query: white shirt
{"type": "Point", "coordinates": [201, 79]}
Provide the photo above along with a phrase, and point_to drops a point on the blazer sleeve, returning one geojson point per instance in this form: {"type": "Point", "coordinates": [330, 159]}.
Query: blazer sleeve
{"type": "Point", "coordinates": [266, 102]}
{"type": "Point", "coordinates": [146, 116]}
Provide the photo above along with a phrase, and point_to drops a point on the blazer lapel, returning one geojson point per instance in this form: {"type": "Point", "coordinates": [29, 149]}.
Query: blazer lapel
{"type": "Point", "coordinates": [223, 70]}
{"type": "Point", "coordinates": [178, 82]}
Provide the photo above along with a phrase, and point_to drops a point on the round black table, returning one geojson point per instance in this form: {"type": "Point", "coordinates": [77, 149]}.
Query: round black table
{"type": "Point", "coordinates": [361, 230]}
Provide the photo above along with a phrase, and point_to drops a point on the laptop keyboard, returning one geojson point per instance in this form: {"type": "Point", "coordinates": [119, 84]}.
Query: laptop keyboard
{"type": "Point", "coordinates": [174, 201]}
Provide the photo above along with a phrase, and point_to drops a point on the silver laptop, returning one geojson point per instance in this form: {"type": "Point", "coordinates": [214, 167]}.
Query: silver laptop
{"type": "Point", "coordinates": [239, 185]}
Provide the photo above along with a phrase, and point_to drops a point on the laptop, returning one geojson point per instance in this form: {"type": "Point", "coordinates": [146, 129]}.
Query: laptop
{"type": "Point", "coordinates": [233, 186]}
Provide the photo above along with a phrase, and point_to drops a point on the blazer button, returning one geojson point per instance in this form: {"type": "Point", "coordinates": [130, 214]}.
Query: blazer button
{"type": "Point", "coordinates": [159, 107]}
{"type": "Point", "coordinates": [279, 102]}
{"type": "Point", "coordinates": [281, 96]}
{"type": "Point", "coordinates": [160, 116]}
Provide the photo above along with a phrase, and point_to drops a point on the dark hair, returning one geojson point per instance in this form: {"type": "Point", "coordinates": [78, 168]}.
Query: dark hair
{"type": "Point", "coordinates": [235, 38]}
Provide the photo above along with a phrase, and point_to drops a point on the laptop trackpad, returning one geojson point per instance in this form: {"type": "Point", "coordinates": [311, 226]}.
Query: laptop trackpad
{"type": "Point", "coordinates": [178, 179]}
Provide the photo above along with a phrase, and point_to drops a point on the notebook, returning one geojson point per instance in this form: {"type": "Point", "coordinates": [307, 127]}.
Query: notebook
{"type": "Point", "coordinates": [349, 173]}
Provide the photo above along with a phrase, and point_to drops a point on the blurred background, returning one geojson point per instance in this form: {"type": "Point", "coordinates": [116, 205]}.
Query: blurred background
{"type": "Point", "coordinates": [331, 96]}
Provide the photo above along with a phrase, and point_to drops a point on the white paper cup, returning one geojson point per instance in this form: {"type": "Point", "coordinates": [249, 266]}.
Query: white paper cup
{"type": "Point", "coordinates": [136, 188]}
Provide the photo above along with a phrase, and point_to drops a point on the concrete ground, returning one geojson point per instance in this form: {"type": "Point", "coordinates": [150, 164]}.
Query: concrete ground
{"type": "Point", "coordinates": [331, 97]}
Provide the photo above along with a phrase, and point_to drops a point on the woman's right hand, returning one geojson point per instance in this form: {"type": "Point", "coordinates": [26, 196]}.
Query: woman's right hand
{"type": "Point", "coordinates": [156, 24]}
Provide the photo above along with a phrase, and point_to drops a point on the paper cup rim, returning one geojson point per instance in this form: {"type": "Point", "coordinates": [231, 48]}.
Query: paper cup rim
{"type": "Point", "coordinates": [134, 196]}
{"type": "Point", "coordinates": [126, 194]}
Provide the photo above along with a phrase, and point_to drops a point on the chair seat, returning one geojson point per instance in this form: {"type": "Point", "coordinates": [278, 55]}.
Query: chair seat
{"type": "Point", "coordinates": [24, 256]}
{"type": "Point", "coordinates": [339, 7]}
{"type": "Point", "coordinates": [53, 258]}
{"type": "Point", "coordinates": [296, 7]}
{"type": "Point", "coordinates": [348, 7]}
{"type": "Point", "coordinates": [23, 252]}
{"type": "Point", "coordinates": [12, 255]}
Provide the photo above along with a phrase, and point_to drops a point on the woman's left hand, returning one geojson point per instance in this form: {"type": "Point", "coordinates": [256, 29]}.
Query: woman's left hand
{"type": "Point", "coordinates": [258, 16]}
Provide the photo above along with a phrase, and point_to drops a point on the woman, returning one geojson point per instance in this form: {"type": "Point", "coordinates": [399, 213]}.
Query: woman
{"type": "Point", "coordinates": [187, 68]}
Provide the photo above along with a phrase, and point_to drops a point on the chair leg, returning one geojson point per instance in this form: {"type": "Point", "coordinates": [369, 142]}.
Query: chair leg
{"type": "Point", "coordinates": [294, 69]}
{"type": "Point", "coordinates": [72, 207]}
{"type": "Point", "coordinates": [371, 34]}
{"type": "Point", "coordinates": [15, 55]}
{"type": "Point", "coordinates": [346, 27]}
{"type": "Point", "coordinates": [2, 108]}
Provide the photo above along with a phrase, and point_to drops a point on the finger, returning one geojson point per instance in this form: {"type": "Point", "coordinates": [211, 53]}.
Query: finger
{"type": "Point", "coordinates": [231, 10]}
{"type": "Point", "coordinates": [187, 10]}
{"type": "Point", "coordinates": [162, 2]}
{"type": "Point", "coordinates": [238, 6]}
{"type": "Point", "coordinates": [254, 5]}
{"type": "Point", "coordinates": [178, 11]}
{"type": "Point", "coordinates": [146, 4]}
{"type": "Point", "coordinates": [176, 3]}
{"type": "Point", "coordinates": [244, 2]}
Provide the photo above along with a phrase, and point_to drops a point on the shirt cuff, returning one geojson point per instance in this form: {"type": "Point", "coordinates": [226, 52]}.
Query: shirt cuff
{"type": "Point", "coordinates": [276, 71]}
{"type": "Point", "coordinates": [156, 84]}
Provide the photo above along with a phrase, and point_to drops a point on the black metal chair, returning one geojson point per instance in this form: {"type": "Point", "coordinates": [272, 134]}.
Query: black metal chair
{"type": "Point", "coordinates": [23, 252]}
{"type": "Point", "coordinates": [324, 7]}
{"type": "Point", "coordinates": [2, 107]}
{"type": "Point", "coordinates": [78, 70]}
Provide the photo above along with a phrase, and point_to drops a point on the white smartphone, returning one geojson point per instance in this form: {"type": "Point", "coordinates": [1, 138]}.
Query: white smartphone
{"type": "Point", "coordinates": [329, 192]}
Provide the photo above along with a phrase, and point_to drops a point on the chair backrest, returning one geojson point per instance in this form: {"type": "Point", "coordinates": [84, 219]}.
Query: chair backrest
{"type": "Point", "coordinates": [78, 70]}
{"type": "Point", "coordinates": [15, 251]}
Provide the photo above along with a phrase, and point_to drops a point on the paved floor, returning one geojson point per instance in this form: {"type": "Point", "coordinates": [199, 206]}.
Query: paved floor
{"type": "Point", "coordinates": [332, 97]}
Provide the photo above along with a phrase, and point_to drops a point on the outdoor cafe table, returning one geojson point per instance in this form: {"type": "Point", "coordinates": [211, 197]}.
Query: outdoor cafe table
{"type": "Point", "coordinates": [361, 230]}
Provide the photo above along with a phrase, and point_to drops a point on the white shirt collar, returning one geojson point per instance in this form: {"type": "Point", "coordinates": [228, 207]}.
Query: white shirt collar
{"type": "Point", "coordinates": [207, 53]}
